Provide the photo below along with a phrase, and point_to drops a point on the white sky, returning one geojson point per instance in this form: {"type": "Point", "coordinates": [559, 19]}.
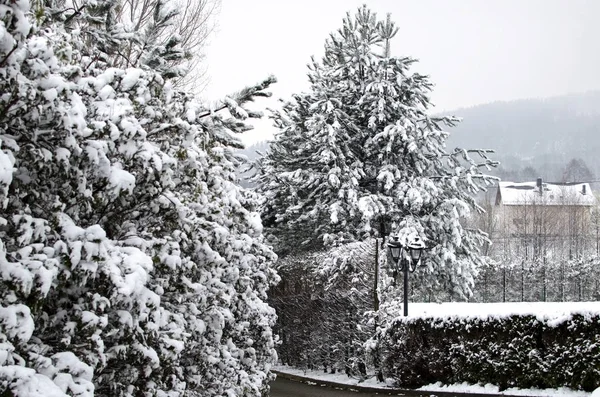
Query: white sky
{"type": "Point", "coordinates": [475, 51]}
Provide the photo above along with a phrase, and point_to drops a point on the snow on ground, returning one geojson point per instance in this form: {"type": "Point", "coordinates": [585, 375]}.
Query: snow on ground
{"type": "Point", "coordinates": [459, 388]}
{"type": "Point", "coordinates": [466, 388]}
{"type": "Point", "coordinates": [339, 377]}
{"type": "Point", "coordinates": [554, 312]}
{"type": "Point", "coordinates": [549, 311]}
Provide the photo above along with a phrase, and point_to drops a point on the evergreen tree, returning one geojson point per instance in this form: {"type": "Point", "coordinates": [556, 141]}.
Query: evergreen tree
{"type": "Point", "coordinates": [131, 263]}
{"type": "Point", "coordinates": [359, 148]}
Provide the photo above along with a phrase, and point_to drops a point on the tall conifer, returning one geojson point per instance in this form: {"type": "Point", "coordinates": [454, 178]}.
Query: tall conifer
{"type": "Point", "coordinates": [360, 149]}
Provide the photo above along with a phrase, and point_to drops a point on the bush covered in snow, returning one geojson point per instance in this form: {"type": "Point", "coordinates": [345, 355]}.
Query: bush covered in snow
{"type": "Point", "coordinates": [130, 261]}
{"type": "Point", "coordinates": [516, 350]}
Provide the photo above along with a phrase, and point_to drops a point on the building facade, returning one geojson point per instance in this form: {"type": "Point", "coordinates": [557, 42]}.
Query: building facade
{"type": "Point", "coordinates": [539, 219]}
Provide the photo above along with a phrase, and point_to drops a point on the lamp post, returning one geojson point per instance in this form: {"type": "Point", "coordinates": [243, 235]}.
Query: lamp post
{"type": "Point", "coordinates": [384, 225]}
{"type": "Point", "coordinates": [405, 258]}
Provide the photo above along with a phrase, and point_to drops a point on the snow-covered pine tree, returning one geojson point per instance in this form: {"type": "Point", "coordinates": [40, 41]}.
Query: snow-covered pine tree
{"type": "Point", "coordinates": [360, 147]}
{"type": "Point", "coordinates": [130, 261]}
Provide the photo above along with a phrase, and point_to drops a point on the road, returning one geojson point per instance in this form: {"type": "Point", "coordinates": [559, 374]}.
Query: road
{"type": "Point", "coordinates": [282, 387]}
{"type": "Point", "coordinates": [288, 388]}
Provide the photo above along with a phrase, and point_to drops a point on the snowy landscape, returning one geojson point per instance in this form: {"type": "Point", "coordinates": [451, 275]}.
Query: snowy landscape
{"type": "Point", "coordinates": [141, 254]}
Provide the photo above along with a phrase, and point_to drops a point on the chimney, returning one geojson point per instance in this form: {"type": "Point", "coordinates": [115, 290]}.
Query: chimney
{"type": "Point", "coordinates": [538, 183]}
{"type": "Point", "coordinates": [583, 190]}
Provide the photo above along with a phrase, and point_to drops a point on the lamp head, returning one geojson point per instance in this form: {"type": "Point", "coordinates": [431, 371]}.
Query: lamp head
{"type": "Point", "coordinates": [395, 249]}
{"type": "Point", "coordinates": [415, 248]}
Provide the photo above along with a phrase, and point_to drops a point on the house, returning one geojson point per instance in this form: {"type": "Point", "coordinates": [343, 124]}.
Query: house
{"type": "Point", "coordinates": [545, 216]}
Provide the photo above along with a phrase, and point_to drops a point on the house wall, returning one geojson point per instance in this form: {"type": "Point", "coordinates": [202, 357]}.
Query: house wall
{"type": "Point", "coordinates": [545, 248]}
{"type": "Point", "coordinates": [535, 230]}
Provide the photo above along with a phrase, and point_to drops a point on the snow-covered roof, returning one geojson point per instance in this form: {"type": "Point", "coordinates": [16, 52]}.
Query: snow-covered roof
{"type": "Point", "coordinates": [528, 193]}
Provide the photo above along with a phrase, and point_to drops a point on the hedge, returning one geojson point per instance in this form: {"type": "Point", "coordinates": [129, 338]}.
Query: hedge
{"type": "Point", "coordinates": [522, 351]}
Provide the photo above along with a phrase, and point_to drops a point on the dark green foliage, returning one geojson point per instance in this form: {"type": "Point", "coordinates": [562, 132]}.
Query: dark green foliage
{"type": "Point", "coordinates": [516, 351]}
{"type": "Point", "coordinates": [413, 354]}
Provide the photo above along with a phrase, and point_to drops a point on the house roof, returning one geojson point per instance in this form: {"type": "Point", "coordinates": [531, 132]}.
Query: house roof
{"type": "Point", "coordinates": [528, 193]}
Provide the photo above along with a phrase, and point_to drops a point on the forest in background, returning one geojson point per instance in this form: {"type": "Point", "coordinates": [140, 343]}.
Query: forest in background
{"type": "Point", "coordinates": [534, 137]}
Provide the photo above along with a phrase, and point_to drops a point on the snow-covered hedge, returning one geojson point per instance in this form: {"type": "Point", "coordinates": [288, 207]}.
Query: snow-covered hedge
{"type": "Point", "coordinates": [131, 263]}
{"type": "Point", "coordinates": [521, 349]}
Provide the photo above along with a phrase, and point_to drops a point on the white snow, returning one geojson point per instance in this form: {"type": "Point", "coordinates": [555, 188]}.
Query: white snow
{"type": "Point", "coordinates": [17, 322]}
{"type": "Point", "coordinates": [553, 312]}
{"type": "Point", "coordinates": [131, 78]}
{"type": "Point", "coordinates": [6, 168]}
{"type": "Point", "coordinates": [30, 383]}
{"type": "Point", "coordinates": [491, 389]}
{"type": "Point", "coordinates": [527, 193]}
{"type": "Point", "coordinates": [50, 94]}
{"type": "Point", "coordinates": [121, 180]}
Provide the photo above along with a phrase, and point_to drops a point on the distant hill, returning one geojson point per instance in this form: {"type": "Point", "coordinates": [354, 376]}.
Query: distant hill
{"type": "Point", "coordinates": [534, 136]}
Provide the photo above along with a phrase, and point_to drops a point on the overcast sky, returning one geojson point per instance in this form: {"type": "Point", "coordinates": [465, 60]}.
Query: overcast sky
{"type": "Point", "coordinates": [475, 51]}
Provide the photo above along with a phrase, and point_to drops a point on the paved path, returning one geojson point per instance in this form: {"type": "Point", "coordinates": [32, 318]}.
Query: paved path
{"type": "Point", "coordinates": [292, 386]}
{"type": "Point", "coordinates": [289, 388]}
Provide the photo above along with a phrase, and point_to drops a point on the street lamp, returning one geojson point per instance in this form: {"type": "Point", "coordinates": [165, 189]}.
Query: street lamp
{"type": "Point", "coordinates": [405, 262]}
{"type": "Point", "coordinates": [385, 227]}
